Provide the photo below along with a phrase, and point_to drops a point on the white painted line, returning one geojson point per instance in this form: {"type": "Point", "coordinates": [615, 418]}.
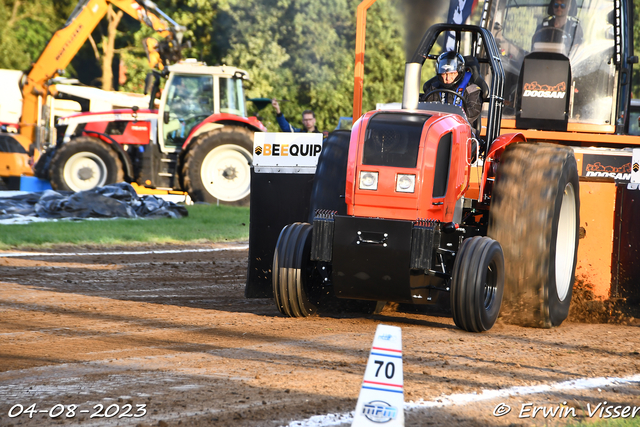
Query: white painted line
{"type": "Point", "coordinates": [324, 420]}
{"type": "Point", "coordinates": [173, 251]}
{"type": "Point", "coordinates": [461, 399]}
{"type": "Point", "coordinates": [579, 384]}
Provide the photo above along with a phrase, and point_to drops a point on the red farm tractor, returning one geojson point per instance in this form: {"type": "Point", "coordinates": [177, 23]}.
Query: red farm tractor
{"type": "Point", "coordinates": [392, 217]}
{"type": "Point", "coordinates": [198, 141]}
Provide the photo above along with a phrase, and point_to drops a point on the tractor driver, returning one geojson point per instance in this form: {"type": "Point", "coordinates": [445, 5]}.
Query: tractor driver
{"type": "Point", "coordinates": [561, 26]}
{"type": "Point", "coordinates": [453, 76]}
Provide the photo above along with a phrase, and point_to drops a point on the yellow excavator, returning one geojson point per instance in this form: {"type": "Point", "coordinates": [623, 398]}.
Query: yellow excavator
{"type": "Point", "coordinates": [18, 153]}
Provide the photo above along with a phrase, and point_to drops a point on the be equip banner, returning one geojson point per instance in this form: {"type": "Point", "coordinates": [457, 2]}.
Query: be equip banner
{"type": "Point", "coordinates": [286, 152]}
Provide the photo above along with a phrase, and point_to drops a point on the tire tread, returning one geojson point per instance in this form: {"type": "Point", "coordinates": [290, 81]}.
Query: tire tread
{"type": "Point", "coordinates": [521, 219]}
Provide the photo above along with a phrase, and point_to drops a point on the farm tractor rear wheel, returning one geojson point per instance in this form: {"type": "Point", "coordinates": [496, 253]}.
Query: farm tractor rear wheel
{"type": "Point", "coordinates": [84, 163]}
{"type": "Point", "coordinates": [331, 174]}
{"type": "Point", "coordinates": [293, 284]}
{"type": "Point", "coordinates": [477, 284]}
{"type": "Point", "coordinates": [535, 217]}
{"type": "Point", "coordinates": [217, 168]}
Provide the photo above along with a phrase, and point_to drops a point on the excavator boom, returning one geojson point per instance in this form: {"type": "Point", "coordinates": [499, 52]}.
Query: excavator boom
{"type": "Point", "coordinates": [65, 44]}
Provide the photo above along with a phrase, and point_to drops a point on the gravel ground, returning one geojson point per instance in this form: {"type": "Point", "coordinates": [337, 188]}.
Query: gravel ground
{"type": "Point", "coordinates": [145, 339]}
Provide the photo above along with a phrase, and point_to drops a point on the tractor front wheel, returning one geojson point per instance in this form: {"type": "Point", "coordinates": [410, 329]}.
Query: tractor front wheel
{"type": "Point", "coordinates": [217, 168]}
{"type": "Point", "coordinates": [477, 284]}
{"type": "Point", "coordinates": [534, 215]}
{"type": "Point", "coordinates": [84, 163]}
{"type": "Point", "coordinates": [294, 288]}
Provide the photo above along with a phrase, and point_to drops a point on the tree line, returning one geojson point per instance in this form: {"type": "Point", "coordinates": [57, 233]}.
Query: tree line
{"type": "Point", "coordinates": [299, 51]}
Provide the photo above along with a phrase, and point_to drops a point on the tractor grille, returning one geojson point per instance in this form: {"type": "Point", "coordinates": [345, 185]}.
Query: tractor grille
{"type": "Point", "coordinates": [393, 139]}
{"type": "Point", "coordinates": [425, 239]}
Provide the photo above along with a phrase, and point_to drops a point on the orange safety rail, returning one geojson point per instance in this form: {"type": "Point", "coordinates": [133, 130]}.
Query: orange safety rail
{"type": "Point", "coordinates": [571, 127]}
{"type": "Point", "coordinates": [582, 134]}
{"type": "Point", "coordinates": [582, 139]}
{"type": "Point", "coordinates": [358, 83]}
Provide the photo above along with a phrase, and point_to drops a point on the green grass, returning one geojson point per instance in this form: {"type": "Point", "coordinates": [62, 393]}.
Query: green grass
{"type": "Point", "coordinates": [619, 422]}
{"type": "Point", "coordinates": [205, 223]}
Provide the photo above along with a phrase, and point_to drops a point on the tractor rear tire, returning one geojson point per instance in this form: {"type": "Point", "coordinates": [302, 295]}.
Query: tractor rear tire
{"type": "Point", "coordinates": [535, 215]}
{"type": "Point", "coordinates": [293, 284]}
{"type": "Point", "coordinates": [329, 181]}
{"type": "Point", "coordinates": [477, 284]}
{"type": "Point", "coordinates": [84, 163]}
{"type": "Point", "coordinates": [217, 168]}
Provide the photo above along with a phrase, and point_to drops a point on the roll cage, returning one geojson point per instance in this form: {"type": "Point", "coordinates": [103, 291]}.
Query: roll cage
{"type": "Point", "coordinates": [482, 47]}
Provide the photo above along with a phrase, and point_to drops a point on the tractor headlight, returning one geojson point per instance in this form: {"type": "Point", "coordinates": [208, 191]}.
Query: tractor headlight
{"type": "Point", "coordinates": [368, 180]}
{"type": "Point", "coordinates": [406, 183]}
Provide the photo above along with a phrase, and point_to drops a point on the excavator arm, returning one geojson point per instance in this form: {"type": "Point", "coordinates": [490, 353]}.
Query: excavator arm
{"type": "Point", "coordinates": [68, 40]}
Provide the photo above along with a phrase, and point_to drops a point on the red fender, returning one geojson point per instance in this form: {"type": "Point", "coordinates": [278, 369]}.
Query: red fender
{"type": "Point", "coordinates": [493, 157]}
{"type": "Point", "coordinates": [252, 123]}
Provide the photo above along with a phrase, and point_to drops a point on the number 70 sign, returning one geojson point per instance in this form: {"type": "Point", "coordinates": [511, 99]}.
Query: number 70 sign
{"type": "Point", "coordinates": [381, 397]}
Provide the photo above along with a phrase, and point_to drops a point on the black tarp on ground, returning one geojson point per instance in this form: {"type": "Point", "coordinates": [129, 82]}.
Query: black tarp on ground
{"type": "Point", "coordinates": [111, 201]}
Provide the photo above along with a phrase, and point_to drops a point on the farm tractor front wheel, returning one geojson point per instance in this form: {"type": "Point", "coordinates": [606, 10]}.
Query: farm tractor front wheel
{"type": "Point", "coordinates": [535, 217]}
{"type": "Point", "coordinates": [477, 284]}
{"type": "Point", "coordinates": [84, 163]}
{"type": "Point", "coordinates": [218, 167]}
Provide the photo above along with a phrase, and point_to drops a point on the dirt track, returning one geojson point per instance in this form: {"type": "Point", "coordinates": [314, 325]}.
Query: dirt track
{"type": "Point", "coordinates": [174, 332]}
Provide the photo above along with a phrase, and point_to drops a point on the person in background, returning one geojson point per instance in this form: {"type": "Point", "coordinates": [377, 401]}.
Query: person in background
{"type": "Point", "coordinates": [451, 75]}
{"type": "Point", "coordinates": [308, 120]}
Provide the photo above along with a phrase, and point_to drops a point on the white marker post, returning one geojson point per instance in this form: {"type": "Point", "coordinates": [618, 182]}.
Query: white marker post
{"type": "Point", "coordinates": [381, 399]}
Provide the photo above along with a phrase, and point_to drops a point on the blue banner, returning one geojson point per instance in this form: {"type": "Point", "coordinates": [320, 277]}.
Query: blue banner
{"type": "Point", "coordinates": [459, 12]}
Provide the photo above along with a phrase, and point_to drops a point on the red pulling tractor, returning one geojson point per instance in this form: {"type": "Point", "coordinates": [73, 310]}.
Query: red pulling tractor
{"type": "Point", "coordinates": [392, 217]}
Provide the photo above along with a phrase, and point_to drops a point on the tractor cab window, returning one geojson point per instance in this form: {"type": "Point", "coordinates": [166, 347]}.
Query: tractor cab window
{"type": "Point", "coordinates": [232, 97]}
{"type": "Point", "coordinates": [393, 139]}
{"type": "Point", "coordinates": [189, 102]}
{"type": "Point", "coordinates": [586, 38]}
